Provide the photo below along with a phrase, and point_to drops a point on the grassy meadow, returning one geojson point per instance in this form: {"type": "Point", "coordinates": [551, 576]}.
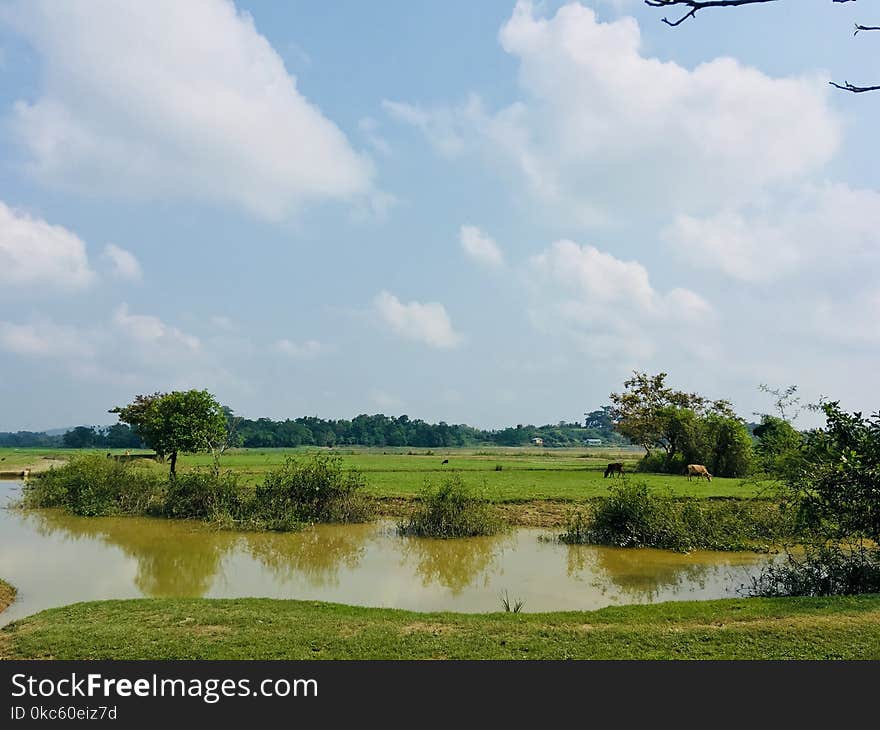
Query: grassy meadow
{"type": "Point", "coordinates": [504, 474]}
{"type": "Point", "coordinates": [254, 628]}
{"type": "Point", "coordinates": [7, 595]}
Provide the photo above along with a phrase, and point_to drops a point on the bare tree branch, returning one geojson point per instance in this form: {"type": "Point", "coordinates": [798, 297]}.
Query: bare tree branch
{"type": "Point", "coordinates": [847, 86]}
{"type": "Point", "coordinates": [696, 5]}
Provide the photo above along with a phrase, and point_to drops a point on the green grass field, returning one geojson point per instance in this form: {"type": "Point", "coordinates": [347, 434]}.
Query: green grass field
{"type": "Point", "coordinates": [7, 595]}
{"type": "Point", "coordinates": [526, 474]}
{"type": "Point", "coordinates": [252, 628]}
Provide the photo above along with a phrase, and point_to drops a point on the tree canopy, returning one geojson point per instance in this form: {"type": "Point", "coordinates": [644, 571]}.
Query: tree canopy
{"type": "Point", "coordinates": [688, 427]}
{"type": "Point", "coordinates": [839, 481]}
{"type": "Point", "coordinates": [179, 421]}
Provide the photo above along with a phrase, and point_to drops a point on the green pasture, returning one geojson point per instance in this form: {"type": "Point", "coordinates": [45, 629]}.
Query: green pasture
{"type": "Point", "coordinates": [525, 473]}
{"type": "Point", "coordinates": [254, 628]}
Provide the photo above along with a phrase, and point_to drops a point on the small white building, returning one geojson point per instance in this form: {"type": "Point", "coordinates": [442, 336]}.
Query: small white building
{"type": "Point", "coordinates": [593, 442]}
{"type": "Point", "coordinates": [537, 441]}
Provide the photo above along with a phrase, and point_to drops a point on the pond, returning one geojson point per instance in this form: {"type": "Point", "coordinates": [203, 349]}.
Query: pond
{"type": "Point", "coordinates": [54, 559]}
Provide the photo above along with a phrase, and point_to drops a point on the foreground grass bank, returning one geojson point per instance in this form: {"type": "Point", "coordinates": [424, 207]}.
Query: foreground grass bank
{"type": "Point", "coordinates": [755, 628]}
{"type": "Point", "coordinates": [7, 595]}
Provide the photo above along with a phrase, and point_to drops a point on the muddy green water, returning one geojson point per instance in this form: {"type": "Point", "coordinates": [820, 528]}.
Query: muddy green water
{"type": "Point", "coordinates": [55, 559]}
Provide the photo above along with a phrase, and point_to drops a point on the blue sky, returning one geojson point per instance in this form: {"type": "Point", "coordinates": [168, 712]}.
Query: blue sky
{"type": "Point", "coordinates": [476, 212]}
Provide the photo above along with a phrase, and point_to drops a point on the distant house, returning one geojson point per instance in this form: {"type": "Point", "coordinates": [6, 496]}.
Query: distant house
{"type": "Point", "coordinates": [537, 441]}
{"type": "Point", "coordinates": [593, 442]}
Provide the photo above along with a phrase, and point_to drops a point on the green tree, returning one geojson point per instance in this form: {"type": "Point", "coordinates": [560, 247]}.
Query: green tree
{"type": "Point", "coordinates": [779, 445]}
{"type": "Point", "coordinates": [121, 436]}
{"type": "Point", "coordinates": [644, 412]}
{"type": "Point", "coordinates": [728, 445]}
{"type": "Point", "coordinates": [81, 437]}
{"type": "Point", "coordinates": [839, 481]}
{"type": "Point", "coordinates": [180, 421]}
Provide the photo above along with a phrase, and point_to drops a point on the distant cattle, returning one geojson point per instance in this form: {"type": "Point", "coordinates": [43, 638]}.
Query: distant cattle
{"type": "Point", "coordinates": [699, 471]}
{"type": "Point", "coordinates": [445, 461]}
{"type": "Point", "coordinates": [615, 468]}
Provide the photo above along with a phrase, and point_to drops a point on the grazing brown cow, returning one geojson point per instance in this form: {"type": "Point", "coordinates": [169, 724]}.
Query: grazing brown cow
{"type": "Point", "coordinates": [615, 468]}
{"type": "Point", "coordinates": [699, 471]}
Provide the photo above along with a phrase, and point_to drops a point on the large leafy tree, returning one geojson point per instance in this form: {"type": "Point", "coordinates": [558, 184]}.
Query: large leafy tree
{"type": "Point", "coordinates": [839, 481]}
{"type": "Point", "coordinates": [656, 416]}
{"type": "Point", "coordinates": [180, 421]}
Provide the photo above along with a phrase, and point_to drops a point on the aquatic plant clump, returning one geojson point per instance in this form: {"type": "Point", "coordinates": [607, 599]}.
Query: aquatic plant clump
{"type": "Point", "coordinates": [634, 516]}
{"type": "Point", "coordinates": [827, 569]}
{"type": "Point", "coordinates": [319, 489]}
{"type": "Point", "coordinates": [94, 485]}
{"type": "Point", "coordinates": [316, 490]}
{"type": "Point", "coordinates": [451, 510]}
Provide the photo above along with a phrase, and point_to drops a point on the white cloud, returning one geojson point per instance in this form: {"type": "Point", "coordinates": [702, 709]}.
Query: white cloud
{"type": "Point", "coordinates": [428, 323]}
{"type": "Point", "coordinates": [300, 350]}
{"type": "Point", "coordinates": [171, 99]}
{"type": "Point", "coordinates": [603, 128]}
{"type": "Point", "coordinates": [827, 227]}
{"type": "Point", "coordinates": [151, 331]}
{"type": "Point", "coordinates": [385, 400]}
{"type": "Point", "coordinates": [125, 264]}
{"type": "Point", "coordinates": [221, 322]}
{"type": "Point", "coordinates": [607, 306]}
{"type": "Point", "coordinates": [45, 339]}
{"type": "Point", "coordinates": [480, 246]}
{"type": "Point", "coordinates": [445, 129]}
{"type": "Point", "coordinates": [36, 253]}
{"type": "Point", "coordinates": [370, 129]}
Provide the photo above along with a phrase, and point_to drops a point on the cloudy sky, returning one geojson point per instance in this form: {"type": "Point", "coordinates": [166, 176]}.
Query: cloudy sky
{"type": "Point", "coordinates": [477, 212]}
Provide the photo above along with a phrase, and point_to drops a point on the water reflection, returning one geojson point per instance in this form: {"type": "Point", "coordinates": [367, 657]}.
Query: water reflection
{"type": "Point", "coordinates": [455, 564]}
{"type": "Point", "coordinates": [180, 559]}
{"type": "Point", "coordinates": [317, 554]}
{"type": "Point", "coordinates": [646, 575]}
{"type": "Point", "coordinates": [55, 559]}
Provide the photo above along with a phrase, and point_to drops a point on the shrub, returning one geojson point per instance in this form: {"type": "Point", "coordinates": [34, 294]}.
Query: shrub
{"type": "Point", "coordinates": [204, 495]}
{"type": "Point", "coordinates": [657, 462]}
{"type": "Point", "coordinates": [93, 486]}
{"type": "Point", "coordinates": [633, 516]}
{"type": "Point", "coordinates": [451, 510]}
{"type": "Point", "coordinates": [779, 446]}
{"type": "Point", "coordinates": [316, 490]}
{"type": "Point", "coordinates": [729, 446]}
{"type": "Point", "coordinates": [828, 569]}
{"type": "Point", "coordinates": [837, 484]}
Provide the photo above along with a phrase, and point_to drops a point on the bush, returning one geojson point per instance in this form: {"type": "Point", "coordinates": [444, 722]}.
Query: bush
{"type": "Point", "coordinates": [451, 510]}
{"type": "Point", "coordinates": [729, 447]}
{"type": "Point", "coordinates": [657, 462]}
{"type": "Point", "coordinates": [721, 443]}
{"type": "Point", "coordinates": [837, 484]}
{"type": "Point", "coordinates": [828, 569]}
{"type": "Point", "coordinates": [317, 490]}
{"type": "Point", "coordinates": [94, 486]}
{"type": "Point", "coordinates": [633, 516]}
{"type": "Point", "coordinates": [779, 446]}
{"type": "Point", "coordinates": [204, 495]}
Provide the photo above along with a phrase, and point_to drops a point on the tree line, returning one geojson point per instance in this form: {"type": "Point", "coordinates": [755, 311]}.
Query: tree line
{"type": "Point", "coordinates": [376, 430]}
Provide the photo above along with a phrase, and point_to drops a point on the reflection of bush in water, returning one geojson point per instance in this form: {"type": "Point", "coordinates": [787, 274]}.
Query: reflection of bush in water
{"type": "Point", "coordinates": [173, 559]}
{"type": "Point", "coordinates": [640, 573]}
{"type": "Point", "coordinates": [315, 554]}
{"type": "Point", "coordinates": [454, 564]}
